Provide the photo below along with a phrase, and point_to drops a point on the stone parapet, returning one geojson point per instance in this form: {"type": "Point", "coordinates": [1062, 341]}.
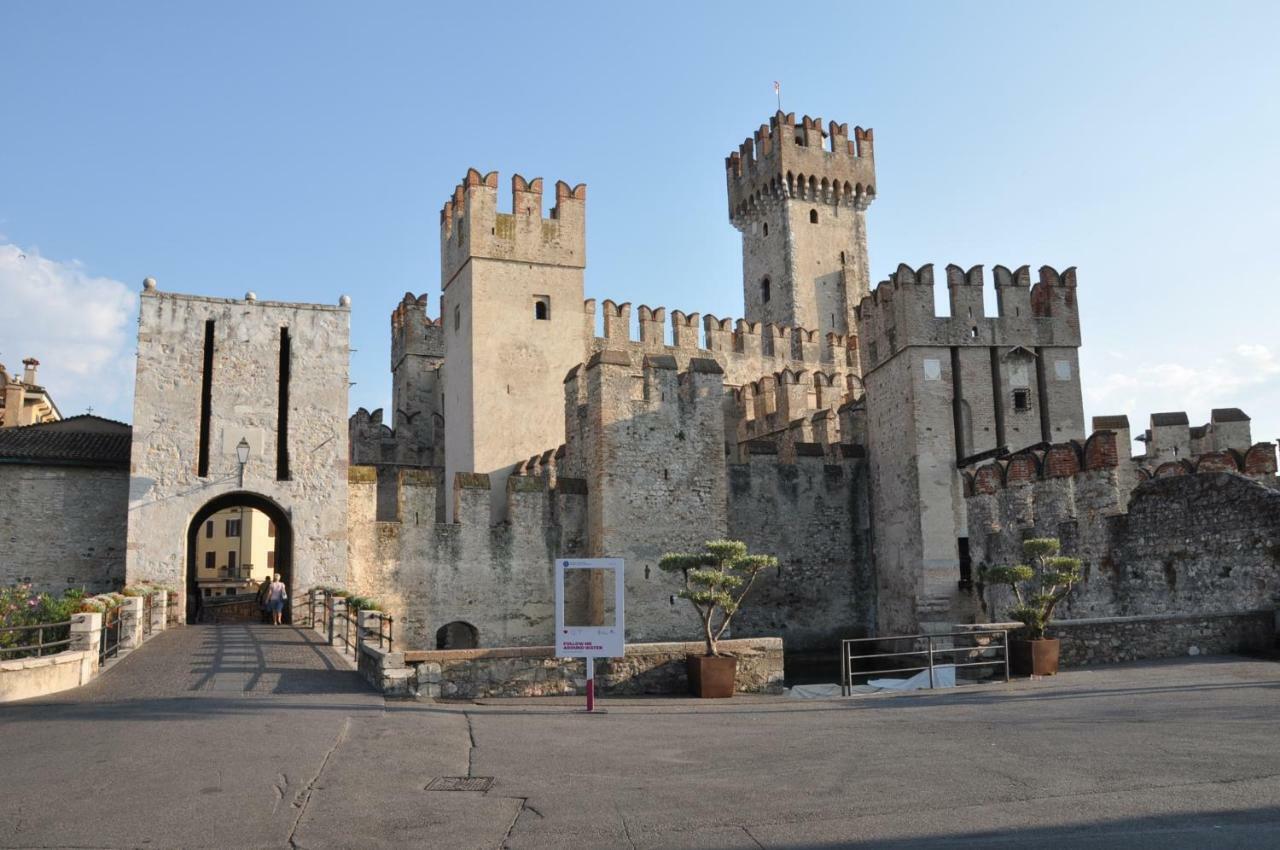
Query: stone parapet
{"type": "Point", "coordinates": [647, 668]}
{"type": "Point", "coordinates": [1109, 640]}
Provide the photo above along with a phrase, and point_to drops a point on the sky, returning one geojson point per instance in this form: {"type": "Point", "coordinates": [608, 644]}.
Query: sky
{"type": "Point", "coordinates": [303, 151]}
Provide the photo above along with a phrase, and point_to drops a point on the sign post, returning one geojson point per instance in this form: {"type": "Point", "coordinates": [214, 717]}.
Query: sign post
{"type": "Point", "coordinates": [595, 626]}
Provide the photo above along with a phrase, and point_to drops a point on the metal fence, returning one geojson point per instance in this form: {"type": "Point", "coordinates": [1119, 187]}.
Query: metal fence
{"type": "Point", "coordinates": [344, 627]}
{"type": "Point", "coordinates": [384, 631]}
{"type": "Point", "coordinates": [976, 648]}
{"type": "Point", "coordinates": [14, 640]}
{"type": "Point", "coordinates": [302, 610]}
{"type": "Point", "coordinates": [109, 639]}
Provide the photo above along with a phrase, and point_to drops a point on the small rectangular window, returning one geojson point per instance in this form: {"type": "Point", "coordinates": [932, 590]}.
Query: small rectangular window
{"type": "Point", "coordinates": [271, 528]}
{"type": "Point", "coordinates": [208, 528]}
{"type": "Point", "coordinates": [233, 528]}
{"type": "Point", "coordinates": [1021, 399]}
{"type": "Point", "coordinates": [542, 308]}
{"type": "Point", "coordinates": [231, 561]}
{"type": "Point", "coordinates": [271, 560]}
{"type": "Point", "coordinates": [210, 560]}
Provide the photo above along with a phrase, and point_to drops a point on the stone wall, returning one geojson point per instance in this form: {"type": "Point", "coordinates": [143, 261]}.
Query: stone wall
{"type": "Point", "coordinates": [655, 668]}
{"type": "Point", "coordinates": [813, 515]}
{"type": "Point", "coordinates": [63, 527]}
{"type": "Point", "coordinates": [1110, 640]}
{"type": "Point", "coordinates": [496, 578]}
{"type": "Point", "coordinates": [1207, 541]}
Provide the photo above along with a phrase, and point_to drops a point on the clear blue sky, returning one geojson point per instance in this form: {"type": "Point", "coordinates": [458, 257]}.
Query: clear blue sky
{"type": "Point", "coordinates": [303, 150]}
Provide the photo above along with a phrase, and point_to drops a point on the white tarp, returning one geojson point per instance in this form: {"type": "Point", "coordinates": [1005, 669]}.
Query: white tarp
{"type": "Point", "coordinates": [944, 676]}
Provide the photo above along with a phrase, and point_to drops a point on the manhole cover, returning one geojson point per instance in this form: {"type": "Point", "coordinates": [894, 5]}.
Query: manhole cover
{"type": "Point", "coordinates": [460, 783]}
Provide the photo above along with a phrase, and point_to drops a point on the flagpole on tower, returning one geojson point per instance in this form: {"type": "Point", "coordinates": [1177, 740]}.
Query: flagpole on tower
{"type": "Point", "coordinates": [777, 90]}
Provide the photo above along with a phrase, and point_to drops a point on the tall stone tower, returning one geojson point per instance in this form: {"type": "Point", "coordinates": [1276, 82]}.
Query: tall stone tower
{"type": "Point", "coordinates": [799, 195]}
{"type": "Point", "coordinates": [417, 353]}
{"type": "Point", "coordinates": [512, 316]}
{"type": "Point", "coordinates": [942, 392]}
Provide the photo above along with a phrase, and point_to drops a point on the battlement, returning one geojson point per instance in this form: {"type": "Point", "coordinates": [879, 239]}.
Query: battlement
{"type": "Point", "coordinates": [788, 160]}
{"type": "Point", "coordinates": [743, 348]}
{"type": "Point", "coordinates": [1106, 451]}
{"type": "Point", "coordinates": [413, 331]}
{"type": "Point", "coordinates": [472, 226]}
{"type": "Point", "coordinates": [899, 312]}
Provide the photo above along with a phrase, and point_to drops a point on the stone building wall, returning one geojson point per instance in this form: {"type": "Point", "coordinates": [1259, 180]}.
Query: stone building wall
{"type": "Point", "coordinates": [63, 527]}
{"type": "Point", "coordinates": [166, 488]}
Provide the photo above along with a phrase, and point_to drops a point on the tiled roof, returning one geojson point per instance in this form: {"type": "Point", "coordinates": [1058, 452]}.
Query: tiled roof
{"type": "Point", "coordinates": [1228, 414]}
{"type": "Point", "coordinates": [1178, 418]}
{"type": "Point", "coordinates": [78, 441]}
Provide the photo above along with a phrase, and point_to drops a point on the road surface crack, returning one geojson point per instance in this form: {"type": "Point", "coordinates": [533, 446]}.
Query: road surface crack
{"type": "Point", "coordinates": [471, 750]}
{"type": "Point", "coordinates": [304, 796]}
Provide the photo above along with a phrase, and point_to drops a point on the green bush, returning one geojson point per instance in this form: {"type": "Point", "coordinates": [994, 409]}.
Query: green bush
{"type": "Point", "coordinates": [363, 603]}
{"type": "Point", "coordinates": [1039, 585]}
{"type": "Point", "coordinates": [22, 609]}
{"type": "Point", "coordinates": [716, 581]}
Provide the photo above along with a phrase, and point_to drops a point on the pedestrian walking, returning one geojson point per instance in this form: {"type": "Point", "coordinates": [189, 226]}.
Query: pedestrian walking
{"type": "Point", "coordinates": [276, 596]}
{"type": "Point", "coordinates": [264, 590]}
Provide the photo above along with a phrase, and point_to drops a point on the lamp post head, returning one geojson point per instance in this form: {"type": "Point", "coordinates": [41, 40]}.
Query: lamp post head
{"type": "Point", "coordinates": [242, 451]}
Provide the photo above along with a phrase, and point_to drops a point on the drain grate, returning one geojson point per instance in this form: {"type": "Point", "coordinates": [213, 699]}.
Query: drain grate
{"type": "Point", "coordinates": [460, 783]}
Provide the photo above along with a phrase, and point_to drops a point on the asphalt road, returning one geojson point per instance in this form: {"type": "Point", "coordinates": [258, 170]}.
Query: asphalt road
{"type": "Point", "coordinates": [250, 736]}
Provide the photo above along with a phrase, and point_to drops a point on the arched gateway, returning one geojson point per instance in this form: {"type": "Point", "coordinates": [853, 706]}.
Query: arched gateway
{"type": "Point", "coordinates": [238, 404]}
{"type": "Point", "coordinates": [231, 519]}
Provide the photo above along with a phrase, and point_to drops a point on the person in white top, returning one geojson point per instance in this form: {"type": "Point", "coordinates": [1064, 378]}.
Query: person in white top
{"type": "Point", "coordinates": [276, 596]}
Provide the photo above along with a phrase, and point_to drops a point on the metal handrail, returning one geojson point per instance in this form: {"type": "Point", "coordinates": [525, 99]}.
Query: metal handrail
{"type": "Point", "coordinates": [109, 639]}
{"type": "Point", "coordinates": [384, 631]}
{"type": "Point", "coordinates": [40, 644]}
{"type": "Point", "coordinates": [930, 652]}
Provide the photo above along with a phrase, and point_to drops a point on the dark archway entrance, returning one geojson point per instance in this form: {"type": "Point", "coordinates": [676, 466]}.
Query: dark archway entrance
{"type": "Point", "coordinates": [281, 530]}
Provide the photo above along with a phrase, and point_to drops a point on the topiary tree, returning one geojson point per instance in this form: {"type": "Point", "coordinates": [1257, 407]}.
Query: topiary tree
{"type": "Point", "coordinates": [716, 581]}
{"type": "Point", "coordinates": [1038, 585]}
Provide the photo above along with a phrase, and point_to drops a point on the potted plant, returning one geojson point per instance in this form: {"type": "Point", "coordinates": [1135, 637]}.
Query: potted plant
{"type": "Point", "coordinates": [1038, 586]}
{"type": "Point", "coordinates": [716, 581]}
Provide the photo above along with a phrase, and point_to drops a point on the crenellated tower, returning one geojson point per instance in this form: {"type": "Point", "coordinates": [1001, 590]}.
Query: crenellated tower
{"type": "Point", "coordinates": [944, 393]}
{"type": "Point", "coordinates": [512, 317]}
{"type": "Point", "coordinates": [417, 353]}
{"type": "Point", "coordinates": [799, 195]}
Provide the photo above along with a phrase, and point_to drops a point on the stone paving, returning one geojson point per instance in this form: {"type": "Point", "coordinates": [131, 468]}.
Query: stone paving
{"type": "Point", "coordinates": [253, 736]}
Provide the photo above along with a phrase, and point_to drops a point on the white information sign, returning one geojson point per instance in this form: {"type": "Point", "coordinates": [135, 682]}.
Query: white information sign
{"type": "Point", "coordinates": [604, 638]}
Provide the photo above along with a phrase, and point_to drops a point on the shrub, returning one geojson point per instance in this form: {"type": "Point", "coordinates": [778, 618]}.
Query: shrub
{"type": "Point", "coordinates": [1039, 585]}
{"type": "Point", "coordinates": [716, 581]}
{"type": "Point", "coordinates": [363, 603]}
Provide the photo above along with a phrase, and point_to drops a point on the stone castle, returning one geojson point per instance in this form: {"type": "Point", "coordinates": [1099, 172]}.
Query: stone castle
{"type": "Point", "coordinates": [881, 451]}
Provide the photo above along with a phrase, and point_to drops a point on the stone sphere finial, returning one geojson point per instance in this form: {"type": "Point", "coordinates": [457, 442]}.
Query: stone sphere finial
{"type": "Point", "coordinates": [344, 301]}
{"type": "Point", "coordinates": [251, 296]}
{"type": "Point", "coordinates": [149, 284]}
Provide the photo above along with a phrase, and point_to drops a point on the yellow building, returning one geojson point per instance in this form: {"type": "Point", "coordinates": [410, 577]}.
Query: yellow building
{"type": "Point", "coordinates": [235, 550]}
{"type": "Point", "coordinates": [22, 400]}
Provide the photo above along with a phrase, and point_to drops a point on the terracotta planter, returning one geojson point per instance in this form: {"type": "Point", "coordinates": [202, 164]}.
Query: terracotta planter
{"type": "Point", "coordinates": [711, 676]}
{"type": "Point", "coordinates": [1034, 657]}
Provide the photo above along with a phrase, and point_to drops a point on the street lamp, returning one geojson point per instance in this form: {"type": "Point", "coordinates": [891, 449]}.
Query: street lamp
{"type": "Point", "coordinates": [242, 454]}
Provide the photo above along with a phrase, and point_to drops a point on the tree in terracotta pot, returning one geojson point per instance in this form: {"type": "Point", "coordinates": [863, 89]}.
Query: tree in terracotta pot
{"type": "Point", "coordinates": [1038, 586]}
{"type": "Point", "coordinates": [716, 581]}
